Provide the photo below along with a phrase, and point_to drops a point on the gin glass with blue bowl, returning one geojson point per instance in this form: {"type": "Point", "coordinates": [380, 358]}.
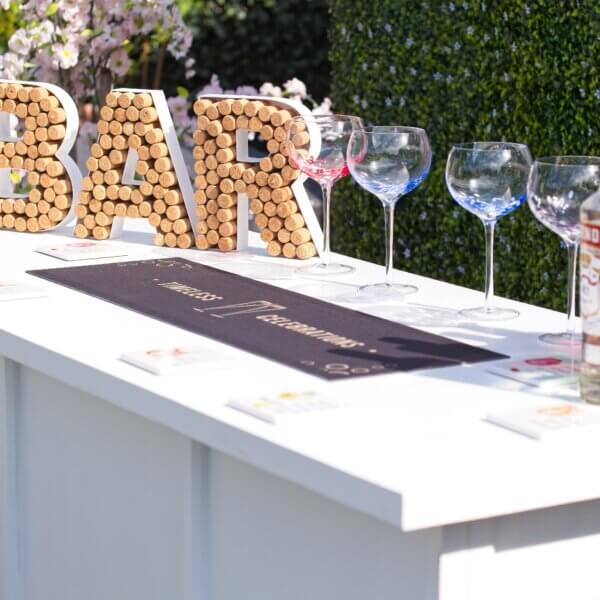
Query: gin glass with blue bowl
{"type": "Point", "coordinates": [388, 161]}
{"type": "Point", "coordinates": [489, 179]}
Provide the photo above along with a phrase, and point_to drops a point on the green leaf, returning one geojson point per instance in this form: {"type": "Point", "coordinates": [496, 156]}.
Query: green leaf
{"type": "Point", "coordinates": [183, 92]}
{"type": "Point", "coordinates": [15, 176]}
{"type": "Point", "coordinates": [52, 9]}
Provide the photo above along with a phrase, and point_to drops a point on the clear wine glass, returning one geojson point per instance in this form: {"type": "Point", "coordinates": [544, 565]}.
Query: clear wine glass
{"type": "Point", "coordinates": [489, 179]}
{"type": "Point", "coordinates": [389, 162]}
{"type": "Point", "coordinates": [558, 186]}
{"type": "Point", "coordinates": [317, 146]}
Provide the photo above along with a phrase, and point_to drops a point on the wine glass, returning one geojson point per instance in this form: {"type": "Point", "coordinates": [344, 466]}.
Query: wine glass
{"type": "Point", "coordinates": [558, 185]}
{"type": "Point", "coordinates": [389, 162]}
{"type": "Point", "coordinates": [317, 146]}
{"type": "Point", "coordinates": [489, 179]}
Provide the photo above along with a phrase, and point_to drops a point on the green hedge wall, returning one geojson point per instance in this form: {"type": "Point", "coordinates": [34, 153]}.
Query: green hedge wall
{"type": "Point", "coordinates": [520, 70]}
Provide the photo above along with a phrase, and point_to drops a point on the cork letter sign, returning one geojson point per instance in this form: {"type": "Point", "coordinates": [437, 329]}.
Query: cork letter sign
{"type": "Point", "coordinates": [136, 137]}
{"type": "Point", "coordinates": [38, 179]}
{"type": "Point", "coordinates": [227, 178]}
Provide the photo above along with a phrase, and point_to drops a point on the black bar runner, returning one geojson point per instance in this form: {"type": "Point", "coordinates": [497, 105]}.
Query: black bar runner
{"type": "Point", "coordinates": [301, 332]}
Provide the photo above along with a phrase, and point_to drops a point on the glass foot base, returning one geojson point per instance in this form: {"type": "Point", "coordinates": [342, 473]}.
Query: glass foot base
{"type": "Point", "coordinates": [489, 314]}
{"type": "Point", "coordinates": [385, 292]}
{"type": "Point", "coordinates": [324, 269]}
{"type": "Point", "coordinates": [565, 339]}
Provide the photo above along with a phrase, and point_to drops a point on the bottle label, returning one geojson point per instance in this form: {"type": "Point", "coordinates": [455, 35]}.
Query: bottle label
{"type": "Point", "coordinates": [590, 271]}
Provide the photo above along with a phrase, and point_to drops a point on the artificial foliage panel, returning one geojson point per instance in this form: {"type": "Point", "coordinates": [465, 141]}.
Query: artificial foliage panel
{"type": "Point", "coordinates": [518, 70]}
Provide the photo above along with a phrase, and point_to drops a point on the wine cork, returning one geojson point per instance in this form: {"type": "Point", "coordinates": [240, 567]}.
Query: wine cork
{"type": "Point", "coordinates": [301, 139]}
{"type": "Point", "coordinates": [289, 250]}
{"type": "Point", "coordinates": [158, 191]}
{"type": "Point", "coordinates": [237, 106]}
{"type": "Point", "coordinates": [200, 182]}
{"type": "Point", "coordinates": [279, 117]}
{"type": "Point", "coordinates": [226, 214]}
{"type": "Point", "coordinates": [49, 104]}
{"type": "Point", "coordinates": [145, 188]}
{"type": "Point", "coordinates": [159, 207]}
{"type": "Point", "coordinates": [284, 236]}
{"type": "Point", "coordinates": [142, 129]}
{"type": "Point", "coordinates": [166, 226]}
{"type": "Point", "coordinates": [281, 135]}
{"type": "Point", "coordinates": [228, 123]}
{"type": "Point", "coordinates": [37, 93]}
{"type": "Point", "coordinates": [91, 163]}
{"type": "Point", "coordinates": [112, 177]}
{"type": "Point", "coordinates": [8, 222]}
{"type": "Point", "coordinates": [212, 191]}
{"type": "Point", "coordinates": [201, 212]}
{"type": "Point", "coordinates": [89, 222]}
{"type": "Point", "coordinates": [224, 107]}
{"type": "Point", "coordinates": [142, 167]}
{"type": "Point", "coordinates": [20, 224]}
{"type": "Point", "coordinates": [81, 231]}
{"type": "Point", "coordinates": [226, 186]}
{"type": "Point", "coordinates": [242, 122]}
{"type": "Point", "coordinates": [201, 105]}
{"type": "Point", "coordinates": [62, 186]}
{"type": "Point", "coordinates": [273, 146]}
{"type": "Point", "coordinates": [103, 219]}
{"type": "Point", "coordinates": [100, 233]}
{"type": "Point", "coordinates": [84, 197]}
{"type": "Point", "coordinates": [31, 123]}
{"type": "Point", "coordinates": [163, 164]}
{"type": "Point", "coordinates": [265, 164]}
{"type": "Point", "coordinates": [128, 128]}
{"type": "Point", "coordinates": [144, 152]}
{"type": "Point", "coordinates": [173, 197]}
{"type": "Point", "coordinates": [224, 140]}
{"type": "Point", "coordinates": [159, 239]}
{"type": "Point", "coordinates": [125, 99]}
{"type": "Point", "coordinates": [266, 235]}
{"type": "Point", "coordinates": [212, 112]}
{"type": "Point", "coordinates": [225, 155]}
{"type": "Point", "coordinates": [167, 179]}
{"type": "Point", "coordinates": [226, 200]}
{"type": "Point", "coordinates": [223, 169]}
{"type": "Point", "coordinates": [181, 226]}
{"type": "Point", "coordinates": [44, 222]}
{"type": "Point", "coordinates": [158, 150]}
{"type": "Point", "coordinates": [261, 221]}
{"type": "Point", "coordinates": [120, 114]}
{"type": "Point", "coordinates": [226, 244]}
{"type": "Point", "coordinates": [266, 132]}
{"type": "Point", "coordinates": [294, 222]}
{"type": "Point", "coordinates": [57, 115]}
{"type": "Point", "coordinates": [125, 192]}
{"type": "Point", "coordinates": [61, 201]}
{"type": "Point", "coordinates": [285, 209]}
{"type": "Point", "coordinates": [56, 132]}
{"type": "Point", "coordinates": [33, 152]}
{"type": "Point", "coordinates": [261, 178]}
{"type": "Point", "coordinates": [210, 147]}
{"type": "Point", "coordinates": [145, 208]}
{"type": "Point", "coordinates": [134, 141]}
{"type": "Point", "coordinates": [16, 162]}
{"type": "Point", "coordinates": [274, 248]}
{"type": "Point", "coordinates": [117, 157]}
{"type": "Point", "coordinates": [212, 178]}
{"type": "Point", "coordinates": [108, 208]}
{"type": "Point", "coordinates": [154, 219]}
{"type": "Point", "coordinates": [80, 211]}
{"type": "Point", "coordinates": [19, 206]}
{"type": "Point", "coordinates": [252, 190]}
{"type": "Point", "coordinates": [176, 212]}
{"type": "Point", "coordinates": [184, 240]}
{"type": "Point", "coordinates": [152, 177]}
{"type": "Point", "coordinates": [305, 251]}
{"type": "Point", "coordinates": [102, 127]}
{"type": "Point", "coordinates": [47, 149]}
{"type": "Point", "coordinates": [282, 194]}
{"type": "Point", "coordinates": [97, 177]}
{"type": "Point", "coordinates": [256, 206]}
{"type": "Point", "coordinates": [99, 192]}
{"type": "Point", "coordinates": [202, 124]}
{"type": "Point", "coordinates": [201, 227]}
{"type": "Point", "coordinates": [201, 242]}
{"type": "Point", "coordinates": [212, 163]}
{"type": "Point", "coordinates": [56, 215]}
{"type": "Point", "coordinates": [112, 192]}
{"type": "Point", "coordinates": [239, 186]}
{"type": "Point", "coordinates": [142, 100]}
{"type": "Point", "coordinates": [29, 138]}
{"type": "Point", "coordinates": [249, 175]}
{"type": "Point", "coordinates": [214, 128]}
{"type": "Point", "coordinates": [96, 150]}
{"type": "Point", "coordinates": [43, 207]}
{"type": "Point", "coordinates": [252, 107]}
{"type": "Point", "coordinates": [269, 208]}
{"type": "Point", "coordinates": [23, 94]}
{"type": "Point", "coordinates": [212, 206]}
{"type": "Point", "coordinates": [115, 128]}
{"type": "Point", "coordinates": [255, 124]}
{"type": "Point", "coordinates": [133, 114]}
{"type": "Point", "coordinates": [21, 148]}
{"type": "Point", "coordinates": [300, 236]}
{"type": "Point", "coordinates": [106, 142]}
{"type": "Point", "coordinates": [148, 114]}
{"type": "Point", "coordinates": [133, 212]}
{"type": "Point", "coordinates": [154, 135]}
{"type": "Point", "coordinates": [212, 237]}
{"type": "Point", "coordinates": [49, 194]}
{"type": "Point", "coordinates": [95, 206]}
{"type": "Point", "coordinates": [227, 229]}
{"type": "Point", "coordinates": [264, 194]}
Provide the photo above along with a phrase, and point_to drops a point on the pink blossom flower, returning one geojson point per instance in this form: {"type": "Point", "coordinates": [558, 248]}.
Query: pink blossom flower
{"type": "Point", "coordinates": [246, 90]}
{"type": "Point", "coordinates": [20, 42]}
{"type": "Point", "coordinates": [119, 63]}
{"type": "Point", "coordinates": [268, 89]}
{"type": "Point", "coordinates": [213, 87]}
{"type": "Point", "coordinates": [295, 87]}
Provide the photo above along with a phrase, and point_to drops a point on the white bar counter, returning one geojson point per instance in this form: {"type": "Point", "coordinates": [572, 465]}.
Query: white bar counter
{"type": "Point", "coordinates": [116, 484]}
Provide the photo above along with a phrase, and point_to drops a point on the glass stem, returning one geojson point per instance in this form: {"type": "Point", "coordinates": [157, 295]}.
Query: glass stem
{"type": "Point", "coordinates": [326, 186]}
{"type": "Point", "coordinates": [389, 242]}
{"type": "Point", "coordinates": [572, 282]}
{"type": "Point", "coordinates": [489, 265]}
